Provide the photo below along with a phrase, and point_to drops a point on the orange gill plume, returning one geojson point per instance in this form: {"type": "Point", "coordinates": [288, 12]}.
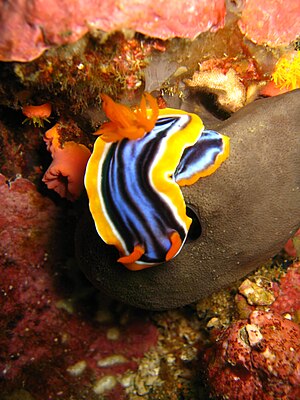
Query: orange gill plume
{"type": "Point", "coordinates": [125, 122]}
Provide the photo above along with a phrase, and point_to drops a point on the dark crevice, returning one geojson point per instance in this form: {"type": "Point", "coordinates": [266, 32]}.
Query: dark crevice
{"type": "Point", "coordinates": [195, 228]}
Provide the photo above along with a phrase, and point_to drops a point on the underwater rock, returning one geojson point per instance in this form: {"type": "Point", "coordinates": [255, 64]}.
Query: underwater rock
{"type": "Point", "coordinates": [51, 344]}
{"type": "Point", "coordinates": [275, 22]}
{"type": "Point", "coordinates": [292, 246]}
{"type": "Point", "coordinates": [288, 300]}
{"type": "Point", "coordinates": [27, 223]}
{"type": "Point", "coordinates": [27, 27]}
{"type": "Point", "coordinates": [231, 93]}
{"type": "Point", "coordinates": [246, 209]}
{"type": "Point", "coordinates": [256, 358]}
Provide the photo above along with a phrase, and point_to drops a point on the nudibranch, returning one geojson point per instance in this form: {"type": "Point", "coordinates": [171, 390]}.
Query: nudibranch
{"type": "Point", "coordinates": [134, 174]}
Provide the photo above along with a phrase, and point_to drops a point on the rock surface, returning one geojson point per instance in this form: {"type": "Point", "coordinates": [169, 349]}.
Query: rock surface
{"type": "Point", "coordinates": [51, 344]}
{"type": "Point", "coordinates": [27, 28]}
{"type": "Point", "coordinates": [256, 358]}
{"type": "Point", "coordinates": [247, 211]}
{"type": "Point", "coordinates": [273, 22]}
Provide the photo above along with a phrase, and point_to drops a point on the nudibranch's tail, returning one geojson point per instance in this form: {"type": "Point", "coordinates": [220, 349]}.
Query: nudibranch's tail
{"type": "Point", "coordinates": [176, 244]}
{"type": "Point", "coordinates": [202, 159]}
{"type": "Point", "coordinates": [134, 256]}
{"type": "Point", "coordinates": [133, 185]}
{"type": "Point", "coordinates": [131, 263]}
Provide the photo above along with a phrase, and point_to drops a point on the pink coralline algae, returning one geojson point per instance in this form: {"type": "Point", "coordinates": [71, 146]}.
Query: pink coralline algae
{"type": "Point", "coordinates": [49, 347]}
{"type": "Point", "coordinates": [288, 300]}
{"type": "Point", "coordinates": [273, 22]}
{"type": "Point", "coordinates": [29, 27]}
{"type": "Point", "coordinates": [257, 358]}
{"type": "Point", "coordinates": [290, 248]}
{"type": "Point", "coordinates": [25, 216]}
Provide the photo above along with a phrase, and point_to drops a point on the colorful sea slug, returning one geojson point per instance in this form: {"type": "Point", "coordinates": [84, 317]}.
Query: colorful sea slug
{"type": "Point", "coordinates": [134, 175]}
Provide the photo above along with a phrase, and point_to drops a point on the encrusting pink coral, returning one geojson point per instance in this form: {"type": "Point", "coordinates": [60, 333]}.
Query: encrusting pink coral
{"type": "Point", "coordinates": [290, 248]}
{"type": "Point", "coordinates": [66, 172]}
{"type": "Point", "coordinates": [256, 358]}
{"type": "Point", "coordinates": [271, 90]}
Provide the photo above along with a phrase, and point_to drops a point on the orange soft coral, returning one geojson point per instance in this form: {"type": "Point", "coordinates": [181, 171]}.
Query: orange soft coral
{"type": "Point", "coordinates": [287, 71]}
{"type": "Point", "coordinates": [66, 172]}
{"type": "Point", "coordinates": [286, 75]}
{"type": "Point", "coordinates": [125, 122]}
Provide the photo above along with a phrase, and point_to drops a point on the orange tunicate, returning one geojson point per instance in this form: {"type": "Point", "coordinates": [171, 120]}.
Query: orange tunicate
{"type": "Point", "coordinates": [65, 175]}
{"type": "Point", "coordinates": [51, 138]}
{"type": "Point", "coordinates": [43, 111]}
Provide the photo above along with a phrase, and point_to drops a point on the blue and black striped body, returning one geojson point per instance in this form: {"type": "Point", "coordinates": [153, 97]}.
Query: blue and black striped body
{"type": "Point", "coordinates": [134, 185]}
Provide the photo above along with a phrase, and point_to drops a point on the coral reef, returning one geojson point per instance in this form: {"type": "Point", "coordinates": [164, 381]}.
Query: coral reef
{"type": "Point", "coordinates": [231, 80]}
{"type": "Point", "coordinates": [48, 329]}
{"type": "Point", "coordinates": [274, 22]}
{"type": "Point", "coordinates": [27, 28]}
{"type": "Point", "coordinates": [292, 246]}
{"type": "Point", "coordinates": [257, 358]}
{"type": "Point", "coordinates": [20, 147]}
{"type": "Point", "coordinates": [77, 74]}
{"type": "Point", "coordinates": [288, 299]}
{"type": "Point", "coordinates": [230, 92]}
{"type": "Point", "coordinates": [60, 338]}
{"type": "Point", "coordinates": [74, 76]}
